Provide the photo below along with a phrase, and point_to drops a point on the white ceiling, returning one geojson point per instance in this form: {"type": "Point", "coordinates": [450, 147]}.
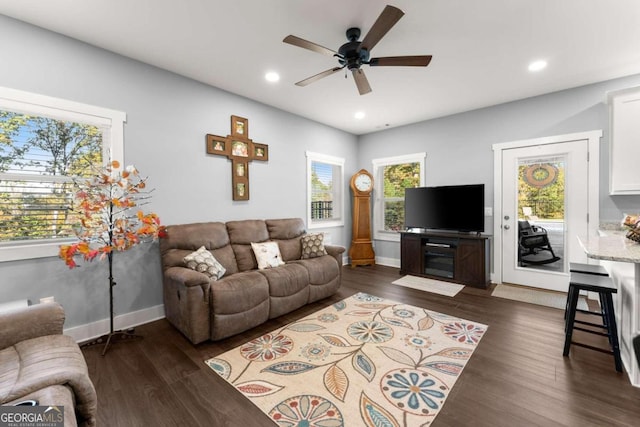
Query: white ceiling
{"type": "Point", "coordinates": [481, 49]}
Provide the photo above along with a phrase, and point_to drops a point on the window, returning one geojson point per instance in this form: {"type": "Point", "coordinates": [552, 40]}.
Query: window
{"type": "Point", "coordinates": [44, 144]}
{"type": "Point", "coordinates": [392, 175]}
{"type": "Point", "coordinates": [325, 198]}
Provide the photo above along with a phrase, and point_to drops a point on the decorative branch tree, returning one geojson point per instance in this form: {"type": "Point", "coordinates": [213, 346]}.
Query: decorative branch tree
{"type": "Point", "coordinates": [105, 205]}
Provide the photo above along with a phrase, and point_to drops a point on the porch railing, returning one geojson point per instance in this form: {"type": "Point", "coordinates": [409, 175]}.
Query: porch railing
{"type": "Point", "coordinates": [543, 208]}
{"type": "Point", "coordinates": [322, 210]}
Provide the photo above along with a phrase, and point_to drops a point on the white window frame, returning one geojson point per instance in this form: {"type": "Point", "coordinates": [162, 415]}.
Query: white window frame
{"type": "Point", "coordinates": [379, 233]}
{"type": "Point", "coordinates": [338, 189]}
{"type": "Point", "coordinates": [110, 121]}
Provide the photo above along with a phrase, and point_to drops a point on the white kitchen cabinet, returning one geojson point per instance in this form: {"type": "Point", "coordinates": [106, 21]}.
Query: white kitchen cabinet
{"type": "Point", "coordinates": [624, 154]}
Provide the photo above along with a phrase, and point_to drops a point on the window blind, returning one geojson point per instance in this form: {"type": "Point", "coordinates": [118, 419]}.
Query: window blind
{"type": "Point", "coordinates": [39, 158]}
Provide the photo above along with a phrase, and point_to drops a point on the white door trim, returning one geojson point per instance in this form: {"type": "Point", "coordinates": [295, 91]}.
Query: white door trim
{"type": "Point", "coordinates": [594, 185]}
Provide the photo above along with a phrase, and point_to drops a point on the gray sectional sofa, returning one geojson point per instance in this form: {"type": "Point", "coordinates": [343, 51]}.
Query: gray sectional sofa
{"type": "Point", "coordinates": [204, 308]}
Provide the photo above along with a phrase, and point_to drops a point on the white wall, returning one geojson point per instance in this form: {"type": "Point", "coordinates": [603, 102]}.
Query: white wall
{"type": "Point", "coordinates": [459, 151]}
{"type": "Point", "coordinates": [168, 117]}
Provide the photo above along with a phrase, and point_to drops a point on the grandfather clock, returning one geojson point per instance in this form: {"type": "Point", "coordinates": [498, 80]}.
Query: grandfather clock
{"type": "Point", "coordinates": [361, 251]}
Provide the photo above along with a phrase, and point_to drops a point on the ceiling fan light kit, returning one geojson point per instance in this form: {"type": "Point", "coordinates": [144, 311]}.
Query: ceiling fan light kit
{"type": "Point", "coordinates": [353, 54]}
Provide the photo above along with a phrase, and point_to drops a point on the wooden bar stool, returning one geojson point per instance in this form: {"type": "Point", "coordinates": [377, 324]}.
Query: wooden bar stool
{"type": "Point", "coordinates": [605, 288]}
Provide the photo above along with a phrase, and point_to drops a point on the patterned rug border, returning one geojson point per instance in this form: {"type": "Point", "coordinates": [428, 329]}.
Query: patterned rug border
{"type": "Point", "coordinates": [404, 361]}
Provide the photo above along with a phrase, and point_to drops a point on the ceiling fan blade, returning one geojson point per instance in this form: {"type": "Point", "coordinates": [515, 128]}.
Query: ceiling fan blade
{"type": "Point", "coordinates": [318, 76]}
{"type": "Point", "coordinates": [387, 19]}
{"type": "Point", "coordinates": [297, 41]}
{"type": "Point", "coordinates": [361, 81]}
{"type": "Point", "coordinates": [407, 61]}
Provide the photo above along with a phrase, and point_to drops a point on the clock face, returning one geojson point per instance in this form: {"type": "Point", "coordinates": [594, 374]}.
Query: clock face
{"type": "Point", "coordinates": [363, 182]}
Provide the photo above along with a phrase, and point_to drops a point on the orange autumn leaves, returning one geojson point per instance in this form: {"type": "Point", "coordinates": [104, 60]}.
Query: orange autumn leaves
{"type": "Point", "coordinates": [105, 203]}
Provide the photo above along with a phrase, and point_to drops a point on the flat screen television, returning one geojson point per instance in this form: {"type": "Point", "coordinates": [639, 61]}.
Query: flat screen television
{"type": "Point", "coordinates": [452, 207]}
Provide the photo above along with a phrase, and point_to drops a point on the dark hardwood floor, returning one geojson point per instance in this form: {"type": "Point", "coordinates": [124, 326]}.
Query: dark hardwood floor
{"type": "Point", "coordinates": [516, 377]}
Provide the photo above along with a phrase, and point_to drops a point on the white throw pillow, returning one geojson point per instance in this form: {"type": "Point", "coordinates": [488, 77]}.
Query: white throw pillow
{"type": "Point", "coordinates": [202, 261]}
{"type": "Point", "coordinates": [267, 254]}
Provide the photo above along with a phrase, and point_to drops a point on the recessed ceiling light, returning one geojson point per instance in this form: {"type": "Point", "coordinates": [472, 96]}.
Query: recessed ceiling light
{"type": "Point", "coordinates": [359, 115]}
{"type": "Point", "coordinates": [272, 76]}
{"type": "Point", "coordinates": [538, 65]}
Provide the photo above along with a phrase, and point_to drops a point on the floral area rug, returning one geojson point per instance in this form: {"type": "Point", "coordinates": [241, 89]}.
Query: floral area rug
{"type": "Point", "coordinates": [364, 361]}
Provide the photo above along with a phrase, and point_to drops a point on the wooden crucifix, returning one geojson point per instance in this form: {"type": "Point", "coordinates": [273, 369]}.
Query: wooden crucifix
{"type": "Point", "coordinates": [241, 150]}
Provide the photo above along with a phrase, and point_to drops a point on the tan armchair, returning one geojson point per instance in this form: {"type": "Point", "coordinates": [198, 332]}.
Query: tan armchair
{"type": "Point", "coordinates": [38, 362]}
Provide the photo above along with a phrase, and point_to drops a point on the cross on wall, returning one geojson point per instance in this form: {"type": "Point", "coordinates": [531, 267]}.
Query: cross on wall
{"type": "Point", "coordinates": [241, 150]}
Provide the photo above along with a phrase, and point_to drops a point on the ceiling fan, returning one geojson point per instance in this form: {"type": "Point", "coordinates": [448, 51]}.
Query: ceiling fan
{"type": "Point", "coordinates": [354, 53]}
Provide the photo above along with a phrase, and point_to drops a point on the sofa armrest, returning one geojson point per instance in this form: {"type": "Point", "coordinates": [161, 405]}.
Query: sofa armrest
{"type": "Point", "coordinates": [187, 277]}
{"type": "Point", "coordinates": [336, 252]}
{"type": "Point", "coordinates": [186, 295]}
{"type": "Point", "coordinates": [30, 322]}
{"type": "Point", "coordinates": [177, 278]}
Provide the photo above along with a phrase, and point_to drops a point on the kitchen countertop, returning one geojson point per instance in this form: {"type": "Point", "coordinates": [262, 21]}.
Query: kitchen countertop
{"type": "Point", "coordinates": [611, 246]}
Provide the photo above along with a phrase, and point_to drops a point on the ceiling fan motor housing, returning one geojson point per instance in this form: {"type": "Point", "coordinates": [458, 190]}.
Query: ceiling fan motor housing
{"type": "Point", "coordinates": [351, 55]}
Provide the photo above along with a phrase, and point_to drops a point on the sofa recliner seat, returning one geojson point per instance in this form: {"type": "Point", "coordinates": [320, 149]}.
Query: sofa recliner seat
{"type": "Point", "coordinates": [245, 297]}
{"type": "Point", "coordinates": [38, 362]}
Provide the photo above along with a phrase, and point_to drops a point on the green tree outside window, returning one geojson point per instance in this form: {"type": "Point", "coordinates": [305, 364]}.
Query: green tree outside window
{"type": "Point", "coordinates": [396, 179]}
{"type": "Point", "coordinates": [38, 158]}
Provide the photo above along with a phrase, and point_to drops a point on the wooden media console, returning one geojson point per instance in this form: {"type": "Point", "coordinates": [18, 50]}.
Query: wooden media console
{"type": "Point", "coordinates": [454, 257]}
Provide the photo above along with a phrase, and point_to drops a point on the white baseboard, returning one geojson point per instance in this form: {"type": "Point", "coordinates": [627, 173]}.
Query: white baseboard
{"type": "Point", "coordinates": [124, 321]}
{"type": "Point", "coordinates": [389, 262]}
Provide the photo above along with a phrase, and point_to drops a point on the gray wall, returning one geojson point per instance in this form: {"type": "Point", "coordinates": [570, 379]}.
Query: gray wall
{"type": "Point", "coordinates": [168, 116]}
{"type": "Point", "coordinates": [167, 119]}
{"type": "Point", "coordinates": [459, 150]}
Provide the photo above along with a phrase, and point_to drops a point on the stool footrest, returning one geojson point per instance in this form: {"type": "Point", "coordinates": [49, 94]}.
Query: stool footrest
{"type": "Point", "coordinates": [590, 331]}
{"type": "Point", "coordinates": [590, 347]}
{"type": "Point", "coordinates": [595, 325]}
{"type": "Point", "coordinates": [593, 313]}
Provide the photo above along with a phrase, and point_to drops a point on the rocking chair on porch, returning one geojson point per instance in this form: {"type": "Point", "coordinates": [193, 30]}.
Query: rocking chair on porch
{"type": "Point", "coordinates": [533, 239]}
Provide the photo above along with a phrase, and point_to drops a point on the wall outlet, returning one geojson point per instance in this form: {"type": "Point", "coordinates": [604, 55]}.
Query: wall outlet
{"type": "Point", "coordinates": [47, 300]}
{"type": "Point", "coordinates": [488, 211]}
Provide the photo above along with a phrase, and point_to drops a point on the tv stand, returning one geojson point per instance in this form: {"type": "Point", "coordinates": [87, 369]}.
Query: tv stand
{"type": "Point", "coordinates": [454, 257]}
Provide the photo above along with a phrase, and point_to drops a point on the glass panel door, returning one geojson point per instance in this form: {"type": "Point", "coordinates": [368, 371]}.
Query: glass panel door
{"type": "Point", "coordinates": [541, 208]}
{"type": "Point", "coordinates": [544, 209]}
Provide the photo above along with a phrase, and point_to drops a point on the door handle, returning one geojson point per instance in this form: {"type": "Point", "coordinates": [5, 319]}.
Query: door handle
{"type": "Point", "coordinates": [506, 227]}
